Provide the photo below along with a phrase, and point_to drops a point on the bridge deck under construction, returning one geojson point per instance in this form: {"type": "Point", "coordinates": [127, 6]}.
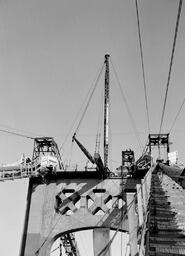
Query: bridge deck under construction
{"type": "Point", "coordinates": [166, 217]}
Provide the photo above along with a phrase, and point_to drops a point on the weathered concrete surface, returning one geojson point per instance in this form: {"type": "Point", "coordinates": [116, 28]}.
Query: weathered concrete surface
{"type": "Point", "coordinates": [101, 237]}
{"type": "Point", "coordinates": [132, 223]}
{"type": "Point", "coordinates": [81, 201]}
{"type": "Point", "coordinates": [176, 173]}
{"type": "Point", "coordinates": [167, 217]}
{"type": "Point", "coordinates": [140, 204]}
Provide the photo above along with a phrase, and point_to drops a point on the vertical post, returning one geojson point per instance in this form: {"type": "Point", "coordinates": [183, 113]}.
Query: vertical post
{"type": "Point", "coordinates": [168, 143]}
{"type": "Point", "coordinates": [149, 177]}
{"type": "Point", "coordinates": [101, 237]}
{"type": "Point", "coordinates": [149, 143]}
{"type": "Point", "coordinates": [144, 195]}
{"type": "Point", "coordinates": [140, 205]}
{"type": "Point", "coordinates": [132, 223]}
{"type": "Point", "coordinates": [60, 247]}
{"type": "Point", "coordinates": [159, 145]}
{"type": "Point", "coordinates": [168, 148]}
{"type": "Point", "coordinates": [146, 189]}
{"type": "Point", "coordinates": [106, 112]}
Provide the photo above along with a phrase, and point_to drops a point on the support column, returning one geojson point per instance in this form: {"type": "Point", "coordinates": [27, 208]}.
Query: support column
{"type": "Point", "coordinates": [146, 188]}
{"type": "Point", "coordinates": [101, 237]}
{"type": "Point", "coordinates": [149, 176]}
{"type": "Point", "coordinates": [144, 195]}
{"type": "Point", "coordinates": [132, 223]}
{"type": "Point", "coordinates": [140, 205]}
{"type": "Point", "coordinates": [33, 220]}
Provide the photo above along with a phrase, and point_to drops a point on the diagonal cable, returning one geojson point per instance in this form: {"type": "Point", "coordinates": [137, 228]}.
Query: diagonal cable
{"type": "Point", "coordinates": [89, 95]}
{"type": "Point", "coordinates": [55, 249]}
{"type": "Point", "coordinates": [177, 116]}
{"type": "Point", "coordinates": [17, 134]}
{"type": "Point", "coordinates": [142, 64]}
{"type": "Point", "coordinates": [171, 63]}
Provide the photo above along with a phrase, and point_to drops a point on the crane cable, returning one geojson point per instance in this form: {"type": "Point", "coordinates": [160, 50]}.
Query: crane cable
{"type": "Point", "coordinates": [99, 129]}
{"type": "Point", "coordinates": [171, 63]}
{"type": "Point", "coordinates": [177, 116]}
{"type": "Point", "coordinates": [17, 134]}
{"type": "Point", "coordinates": [128, 108]}
{"type": "Point", "coordinates": [55, 249]}
{"type": "Point", "coordinates": [87, 96]}
{"type": "Point", "coordinates": [90, 97]}
{"type": "Point", "coordinates": [142, 65]}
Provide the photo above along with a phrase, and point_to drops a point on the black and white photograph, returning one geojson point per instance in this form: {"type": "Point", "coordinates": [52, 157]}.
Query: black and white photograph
{"type": "Point", "coordinates": [92, 128]}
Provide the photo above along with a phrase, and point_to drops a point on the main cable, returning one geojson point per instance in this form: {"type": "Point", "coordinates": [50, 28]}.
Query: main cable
{"type": "Point", "coordinates": [142, 65]}
{"type": "Point", "coordinates": [171, 63]}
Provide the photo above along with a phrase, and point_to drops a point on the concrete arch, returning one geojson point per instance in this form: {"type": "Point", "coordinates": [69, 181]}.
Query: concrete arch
{"type": "Point", "coordinates": [50, 241]}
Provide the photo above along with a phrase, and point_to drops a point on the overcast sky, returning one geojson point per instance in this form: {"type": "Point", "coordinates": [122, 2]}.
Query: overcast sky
{"type": "Point", "coordinates": [50, 54]}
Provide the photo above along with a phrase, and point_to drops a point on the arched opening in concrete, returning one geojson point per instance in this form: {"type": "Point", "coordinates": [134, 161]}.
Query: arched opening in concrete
{"type": "Point", "coordinates": [84, 240]}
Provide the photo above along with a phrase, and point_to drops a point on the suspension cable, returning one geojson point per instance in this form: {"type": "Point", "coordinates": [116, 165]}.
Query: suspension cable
{"type": "Point", "coordinates": [171, 63]}
{"type": "Point", "coordinates": [177, 116]}
{"type": "Point", "coordinates": [128, 109]}
{"type": "Point", "coordinates": [142, 65]}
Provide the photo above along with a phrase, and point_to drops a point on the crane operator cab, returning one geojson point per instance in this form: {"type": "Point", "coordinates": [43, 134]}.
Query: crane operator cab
{"type": "Point", "coordinates": [46, 156]}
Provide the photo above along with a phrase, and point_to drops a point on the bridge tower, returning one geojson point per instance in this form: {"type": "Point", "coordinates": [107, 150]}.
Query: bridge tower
{"type": "Point", "coordinates": [69, 201]}
{"type": "Point", "coordinates": [52, 210]}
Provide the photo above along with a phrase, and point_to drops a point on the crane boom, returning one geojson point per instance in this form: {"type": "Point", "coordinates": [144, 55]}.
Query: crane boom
{"type": "Point", "coordinates": [84, 150]}
{"type": "Point", "coordinates": [106, 112]}
{"type": "Point", "coordinates": [94, 160]}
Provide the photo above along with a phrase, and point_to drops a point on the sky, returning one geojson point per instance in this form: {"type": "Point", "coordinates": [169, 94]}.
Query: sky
{"type": "Point", "coordinates": [50, 55]}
